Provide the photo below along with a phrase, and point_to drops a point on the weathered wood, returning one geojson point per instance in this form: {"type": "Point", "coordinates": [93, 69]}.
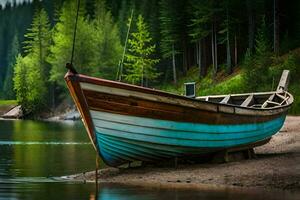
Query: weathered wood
{"type": "Point", "coordinates": [284, 100]}
{"type": "Point", "coordinates": [226, 99]}
{"type": "Point", "coordinates": [158, 110]}
{"type": "Point", "coordinates": [111, 98]}
{"type": "Point", "coordinates": [284, 81]}
{"type": "Point", "coordinates": [265, 104]}
{"type": "Point", "coordinates": [80, 102]}
{"type": "Point", "coordinates": [248, 101]}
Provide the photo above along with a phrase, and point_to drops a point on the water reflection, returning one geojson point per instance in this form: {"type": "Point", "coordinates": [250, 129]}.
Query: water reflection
{"type": "Point", "coordinates": [44, 149]}
{"type": "Point", "coordinates": [57, 190]}
{"type": "Point", "coordinates": [33, 153]}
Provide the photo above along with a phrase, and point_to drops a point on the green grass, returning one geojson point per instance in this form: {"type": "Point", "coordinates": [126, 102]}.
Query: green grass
{"type": "Point", "coordinates": [294, 89]}
{"type": "Point", "coordinates": [8, 102]}
{"type": "Point", "coordinates": [207, 86]}
{"type": "Point", "coordinates": [226, 85]}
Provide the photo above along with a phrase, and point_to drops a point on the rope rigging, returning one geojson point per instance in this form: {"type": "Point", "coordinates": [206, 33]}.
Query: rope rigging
{"type": "Point", "coordinates": [70, 65]}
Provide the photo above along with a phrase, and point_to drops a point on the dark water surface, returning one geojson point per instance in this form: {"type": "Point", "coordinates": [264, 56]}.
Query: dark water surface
{"type": "Point", "coordinates": [33, 154]}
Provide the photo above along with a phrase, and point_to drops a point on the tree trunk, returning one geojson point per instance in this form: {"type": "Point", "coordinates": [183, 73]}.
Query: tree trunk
{"type": "Point", "coordinates": [228, 51]}
{"type": "Point", "coordinates": [196, 54]}
{"type": "Point", "coordinates": [204, 63]}
{"type": "Point", "coordinates": [228, 55]}
{"type": "Point", "coordinates": [184, 57]}
{"type": "Point", "coordinates": [199, 56]}
{"type": "Point", "coordinates": [53, 96]}
{"type": "Point", "coordinates": [216, 47]}
{"type": "Point", "coordinates": [235, 51]}
{"type": "Point", "coordinates": [213, 48]}
{"type": "Point", "coordinates": [251, 25]}
{"type": "Point", "coordinates": [142, 79]}
{"type": "Point", "coordinates": [174, 65]}
{"type": "Point", "coordinates": [276, 27]}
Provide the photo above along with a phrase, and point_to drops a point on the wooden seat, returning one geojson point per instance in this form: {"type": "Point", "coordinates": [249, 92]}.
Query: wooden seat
{"type": "Point", "coordinates": [225, 100]}
{"type": "Point", "coordinates": [248, 101]}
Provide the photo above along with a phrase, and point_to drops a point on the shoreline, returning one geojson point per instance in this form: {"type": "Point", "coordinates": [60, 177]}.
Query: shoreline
{"type": "Point", "coordinates": [277, 166]}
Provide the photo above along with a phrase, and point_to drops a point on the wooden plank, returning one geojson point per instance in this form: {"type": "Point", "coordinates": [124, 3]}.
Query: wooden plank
{"type": "Point", "coordinates": [248, 101]}
{"type": "Point", "coordinates": [187, 102]}
{"type": "Point", "coordinates": [151, 109]}
{"type": "Point", "coordinates": [270, 99]}
{"type": "Point", "coordinates": [284, 81]}
{"type": "Point", "coordinates": [226, 99]}
{"type": "Point", "coordinates": [238, 95]}
{"type": "Point", "coordinates": [284, 100]}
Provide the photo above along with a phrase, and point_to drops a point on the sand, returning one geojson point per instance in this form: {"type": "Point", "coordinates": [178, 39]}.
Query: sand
{"type": "Point", "coordinates": [277, 166]}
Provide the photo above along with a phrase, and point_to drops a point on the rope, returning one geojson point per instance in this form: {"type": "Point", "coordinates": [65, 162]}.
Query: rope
{"type": "Point", "coordinates": [120, 68]}
{"type": "Point", "coordinates": [75, 29]}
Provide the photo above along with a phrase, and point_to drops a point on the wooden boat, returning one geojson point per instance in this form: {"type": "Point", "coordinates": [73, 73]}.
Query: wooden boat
{"type": "Point", "coordinates": [130, 123]}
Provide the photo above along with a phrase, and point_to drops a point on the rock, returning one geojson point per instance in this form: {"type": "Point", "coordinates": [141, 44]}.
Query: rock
{"type": "Point", "coordinates": [14, 113]}
{"type": "Point", "coordinates": [72, 115]}
{"type": "Point", "coordinates": [5, 108]}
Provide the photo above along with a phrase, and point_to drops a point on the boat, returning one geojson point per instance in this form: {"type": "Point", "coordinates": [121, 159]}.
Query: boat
{"type": "Point", "coordinates": [129, 123]}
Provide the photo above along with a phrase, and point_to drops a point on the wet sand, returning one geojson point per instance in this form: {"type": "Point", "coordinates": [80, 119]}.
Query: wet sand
{"type": "Point", "coordinates": [277, 166]}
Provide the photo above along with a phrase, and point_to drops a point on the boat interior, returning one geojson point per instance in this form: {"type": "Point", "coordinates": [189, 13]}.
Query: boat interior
{"type": "Point", "coordinates": [251, 100]}
{"type": "Point", "coordinates": [261, 100]}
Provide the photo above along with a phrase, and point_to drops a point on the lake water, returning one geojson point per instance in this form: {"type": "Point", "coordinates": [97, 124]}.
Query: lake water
{"type": "Point", "coordinates": [33, 154]}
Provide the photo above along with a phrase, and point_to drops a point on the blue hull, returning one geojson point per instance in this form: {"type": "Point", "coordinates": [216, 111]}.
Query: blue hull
{"type": "Point", "coordinates": [123, 138]}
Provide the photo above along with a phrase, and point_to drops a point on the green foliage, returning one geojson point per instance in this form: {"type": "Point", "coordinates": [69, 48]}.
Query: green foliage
{"type": "Point", "coordinates": [207, 85]}
{"type": "Point", "coordinates": [8, 89]}
{"type": "Point", "coordinates": [97, 47]}
{"type": "Point", "coordinates": [139, 62]}
{"type": "Point", "coordinates": [8, 102]}
{"type": "Point", "coordinates": [61, 50]}
{"type": "Point", "coordinates": [170, 36]}
{"type": "Point", "coordinates": [20, 80]}
{"type": "Point", "coordinates": [229, 86]}
{"type": "Point", "coordinates": [257, 65]}
{"type": "Point", "coordinates": [201, 16]}
{"type": "Point", "coordinates": [179, 29]}
{"type": "Point", "coordinates": [106, 43]}
{"type": "Point", "coordinates": [38, 36]}
{"type": "Point", "coordinates": [31, 71]}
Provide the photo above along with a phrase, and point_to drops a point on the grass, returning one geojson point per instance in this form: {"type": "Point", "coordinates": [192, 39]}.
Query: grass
{"type": "Point", "coordinates": [229, 86]}
{"type": "Point", "coordinates": [8, 102]}
{"type": "Point", "coordinates": [294, 89]}
{"type": "Point", "coordinates": [223, 84]}
{"type": "Point", "coordinates": [206, 85]}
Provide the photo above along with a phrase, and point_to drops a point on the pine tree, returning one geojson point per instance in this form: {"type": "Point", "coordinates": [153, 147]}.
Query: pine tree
{"type": "Point", "coordinates": [61, 50]}
{"type": "Point", "coordinates": [106, 45]}
{"type": "Point", "coordinates": [199, 27]}
{"type": "Point", "coordinates": [32, 70]}
{"type": "Point", "coordinates": [8, 89]}
{"type": "Point", "coordinates": [169, 31]}
{"type": "Point", "coordinates": [262, 46]}
{"type": "Point", "coordinates": [20, 80]}
{"type": "Point", "coordinates": [38, 40]}
{"type": "Point", "coordinates": [257, 71]}
{"type": "Point", "coordinates": [139, 62]}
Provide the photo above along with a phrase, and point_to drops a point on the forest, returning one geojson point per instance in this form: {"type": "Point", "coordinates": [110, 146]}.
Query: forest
{"type": "Point", "coordinates": [224, 46]}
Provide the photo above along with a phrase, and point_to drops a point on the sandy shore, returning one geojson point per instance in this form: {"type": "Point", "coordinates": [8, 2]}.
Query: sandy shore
{"type": "Point", "coordinates": [277, 166]}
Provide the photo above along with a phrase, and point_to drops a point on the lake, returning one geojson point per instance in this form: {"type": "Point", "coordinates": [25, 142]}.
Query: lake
{"type": "Point", "coordinates": [34, 154]}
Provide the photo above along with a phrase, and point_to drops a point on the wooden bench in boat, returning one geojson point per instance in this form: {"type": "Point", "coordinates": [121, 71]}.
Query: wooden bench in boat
{"type": "Point", "coordinates": [256, 100]}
